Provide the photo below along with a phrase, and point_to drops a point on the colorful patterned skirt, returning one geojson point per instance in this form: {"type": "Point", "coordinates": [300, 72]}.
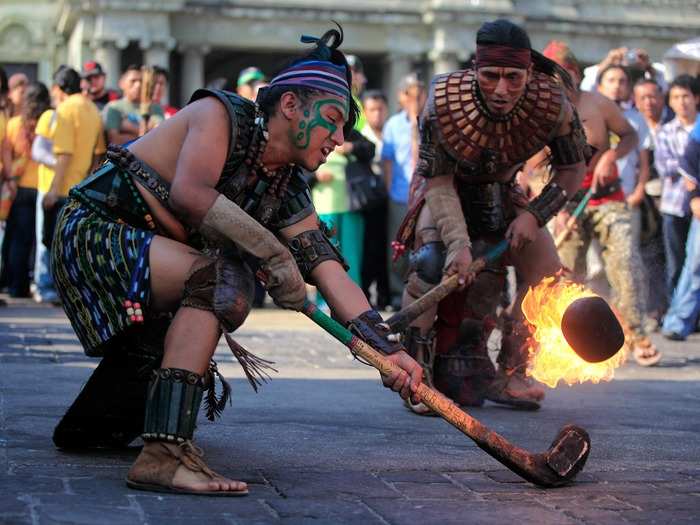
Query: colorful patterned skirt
{"type": "Point", "coordinates": [98, 264]}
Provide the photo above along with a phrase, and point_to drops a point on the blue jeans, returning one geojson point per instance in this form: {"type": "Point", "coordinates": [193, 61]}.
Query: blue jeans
{"type": "Point", "coordinates": [42, 275]}
{"type": "Point", "coordinates": [675, 235]}
{"type": "Point", "coordinates": [682, 315]}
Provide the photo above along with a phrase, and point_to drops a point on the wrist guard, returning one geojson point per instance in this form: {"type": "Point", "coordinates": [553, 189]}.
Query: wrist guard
{"type": "Point", "coordinates": [311, 248]}
{"type": "Point", "coordinates": [548, 203]}
{"type": "Point", "coordinates": [367, 327]}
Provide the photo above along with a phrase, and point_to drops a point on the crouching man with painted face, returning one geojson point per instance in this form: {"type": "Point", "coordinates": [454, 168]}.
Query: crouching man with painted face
{"type": "Point", "coordinates": [479, 127]}
{"type": "Point", "coordinates": [156, 254]}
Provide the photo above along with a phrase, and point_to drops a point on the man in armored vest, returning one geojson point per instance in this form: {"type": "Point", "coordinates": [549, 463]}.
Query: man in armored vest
{"type": "Point", "coordinates": [479, 127]}
{"type": "Point", "coordinates": [157, 251]}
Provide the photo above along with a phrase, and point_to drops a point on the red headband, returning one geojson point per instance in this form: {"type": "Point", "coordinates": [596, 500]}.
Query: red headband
{"type": "Point", "coordinates": [502, 56]}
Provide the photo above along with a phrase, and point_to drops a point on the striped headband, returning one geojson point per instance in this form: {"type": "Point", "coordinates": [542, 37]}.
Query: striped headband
{"type": "Point", "coordinates": [315, 74]}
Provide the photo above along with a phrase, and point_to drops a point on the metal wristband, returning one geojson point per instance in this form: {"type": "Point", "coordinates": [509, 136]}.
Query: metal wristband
{"type": "Point", "coordinates": [548, 203]}
{"type": "Point", "coordinates": [369, 327]}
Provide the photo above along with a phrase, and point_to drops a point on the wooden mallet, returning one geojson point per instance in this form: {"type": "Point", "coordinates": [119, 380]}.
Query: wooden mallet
{"type": "Point", "coordinates": [555, 467]}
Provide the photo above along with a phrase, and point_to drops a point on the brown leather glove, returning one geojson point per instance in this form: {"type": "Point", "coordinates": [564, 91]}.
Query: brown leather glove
{"type": "Point", "coordinates": [284, 282]}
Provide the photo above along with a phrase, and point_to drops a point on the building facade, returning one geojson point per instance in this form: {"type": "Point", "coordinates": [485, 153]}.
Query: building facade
{"type": "Point", "coordinates": [201, 41]}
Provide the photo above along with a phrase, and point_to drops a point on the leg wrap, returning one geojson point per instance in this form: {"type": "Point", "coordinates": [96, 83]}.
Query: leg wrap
{"type": "Point", "coordinates": [514, 346]}
{"type": "Point", "coordinates": [421, 348]}
{"type": "Point", "coordinates": [465, 372]}
{"type": "Point", "coordinates": [174, 396]}
{"type": "Point", "coordinates": [224, 286]}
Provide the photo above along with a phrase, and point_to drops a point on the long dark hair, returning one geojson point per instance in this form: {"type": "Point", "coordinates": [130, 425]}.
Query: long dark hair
{"type": "Point", "coordinates": [36, 101]}
{"type": "Point", "coordinates": [505, 33]}
{"type": "Point", "coordinates": [326, 50]}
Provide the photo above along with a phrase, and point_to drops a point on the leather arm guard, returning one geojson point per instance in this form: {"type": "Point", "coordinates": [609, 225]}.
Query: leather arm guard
{"type": "Point", "coordinates": [311, 248]}
{"type": "Point", "coordinates": [446, 210]}
{"type": "Point", "coordinates": [226, 219]}
{"type": "Point", "coordinates": [284, 282]}
{"type": "Point", "coordinates": [548, 203]}
{"type": "Point", "coordinates": [571, 148]}
{"type": "Point", "coordinates": [368, 327]}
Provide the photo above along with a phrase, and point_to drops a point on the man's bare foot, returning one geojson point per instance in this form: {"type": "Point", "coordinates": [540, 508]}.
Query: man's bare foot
{"type": "Point", "coordinates": [166, 467]}
{"type": "Point", "coordinates": [645, 353]}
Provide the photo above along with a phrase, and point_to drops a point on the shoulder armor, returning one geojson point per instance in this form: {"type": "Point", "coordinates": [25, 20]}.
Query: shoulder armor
{"type": "Point", "coordinates": [471, 135]}
{"type": "Point", "coordinates": [296, 203]}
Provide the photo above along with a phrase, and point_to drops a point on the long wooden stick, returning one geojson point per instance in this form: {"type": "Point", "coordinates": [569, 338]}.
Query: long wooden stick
{"type": "Point", "coordinates": [556, 467]}
{"type": "Point", "coordinates": [404, 317]}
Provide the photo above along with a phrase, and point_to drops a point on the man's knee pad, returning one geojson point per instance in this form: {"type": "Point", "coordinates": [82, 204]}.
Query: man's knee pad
{"type": "Point", "coordinates": [428, 261]}
{"type": "Point", "coordinates": [224, 286]}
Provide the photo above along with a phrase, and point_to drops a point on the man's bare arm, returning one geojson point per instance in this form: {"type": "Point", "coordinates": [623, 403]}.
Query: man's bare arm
{"type": "Point", "coordinates": [616, 122]}
{"type": "Point", "coordinates": [343, 296]}
{"type": "Point", "coordinates": [200, 161]}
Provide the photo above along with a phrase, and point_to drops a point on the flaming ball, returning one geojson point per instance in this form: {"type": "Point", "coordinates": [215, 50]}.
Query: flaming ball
{"type": "Point", "coordinates": [592, 330]}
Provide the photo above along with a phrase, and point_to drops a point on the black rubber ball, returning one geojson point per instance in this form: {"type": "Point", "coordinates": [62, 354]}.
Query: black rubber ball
{"type": "Point", "coordinates": [592, 330]}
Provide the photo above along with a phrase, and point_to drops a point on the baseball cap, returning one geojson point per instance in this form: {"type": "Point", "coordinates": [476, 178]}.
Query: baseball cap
{"type": "Point", "coordinates": [91, 69]}
{"type": "Point", "coordinates": [248, 75]}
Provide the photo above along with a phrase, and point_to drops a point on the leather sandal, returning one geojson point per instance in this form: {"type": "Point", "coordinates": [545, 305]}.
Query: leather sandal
{"type": "Point", "coordinates": [154, 470]}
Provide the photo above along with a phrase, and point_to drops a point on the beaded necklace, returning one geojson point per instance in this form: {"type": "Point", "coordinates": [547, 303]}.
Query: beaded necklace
{"type": "Point", "coordinates": [268, 187]}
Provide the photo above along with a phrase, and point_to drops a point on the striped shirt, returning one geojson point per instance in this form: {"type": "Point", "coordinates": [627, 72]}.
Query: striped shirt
{"type": "Point", "coordinates": [670, 145]}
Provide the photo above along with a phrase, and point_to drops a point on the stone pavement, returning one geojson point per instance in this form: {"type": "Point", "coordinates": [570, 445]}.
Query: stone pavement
{"type": "Point", "coordinates": [325, 443]}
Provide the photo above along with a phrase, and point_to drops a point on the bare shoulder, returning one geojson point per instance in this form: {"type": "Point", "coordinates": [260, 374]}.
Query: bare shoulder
{"type": "Point", "coordinates": [206, 113]}
{"type": "Point", "coordinates": [598, 101]}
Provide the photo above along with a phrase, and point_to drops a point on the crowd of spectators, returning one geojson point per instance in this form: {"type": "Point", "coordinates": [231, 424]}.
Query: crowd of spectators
{"type": "Point", "coordinates": [52, 137]}
{"type": "Point", "coordinates": [50, 140]}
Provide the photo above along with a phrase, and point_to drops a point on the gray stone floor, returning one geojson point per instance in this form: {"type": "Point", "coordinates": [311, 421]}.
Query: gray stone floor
{"type": "Point", "coordinates": [325, 443]}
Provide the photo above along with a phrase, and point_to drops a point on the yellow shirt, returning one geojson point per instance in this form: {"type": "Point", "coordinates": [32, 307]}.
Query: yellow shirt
{"type": "Point", "coordinates": [78, 132]}
{"type": "Point", "coordinates": [20, 142]}
{"type": "Point", "coordinates": [45, 127]}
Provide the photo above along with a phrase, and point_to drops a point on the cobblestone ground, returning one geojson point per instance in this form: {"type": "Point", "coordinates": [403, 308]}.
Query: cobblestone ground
{"type": "Point", "coordinates": [325, 443]}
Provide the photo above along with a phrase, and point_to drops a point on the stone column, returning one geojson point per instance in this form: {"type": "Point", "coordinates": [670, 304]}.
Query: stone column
{"type": "Point", "coordinates": [398, 66]}
{"type": "Point", "coordinates": [108, 55]}
{"type": "Point", "coordinates": [157, 55]}
{"type": "Point", "coordinates": [443, 62]}
{"type": "Point", "coordinates": [192, 70]}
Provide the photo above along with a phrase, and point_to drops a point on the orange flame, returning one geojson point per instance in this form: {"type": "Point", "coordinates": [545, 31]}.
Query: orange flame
{"type": "Point", "coordinates": [551, 358]}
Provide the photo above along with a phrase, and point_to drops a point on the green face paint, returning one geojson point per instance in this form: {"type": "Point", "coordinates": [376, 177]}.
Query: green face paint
{"type": "Point", "coordinates": [313, 119]}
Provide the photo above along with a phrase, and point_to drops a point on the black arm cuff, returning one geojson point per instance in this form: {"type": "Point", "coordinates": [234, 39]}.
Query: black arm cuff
{"type": "Point", "coordinates": [548, 203]}
{"type": "Point", "coordinates": [367, 327]}
{"type": "Point", "coordinates": [571, 148]}
{"type": "Point", "coordinates": [311, 248]}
